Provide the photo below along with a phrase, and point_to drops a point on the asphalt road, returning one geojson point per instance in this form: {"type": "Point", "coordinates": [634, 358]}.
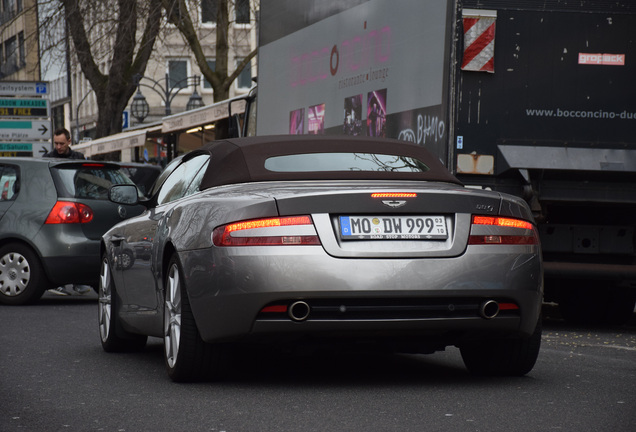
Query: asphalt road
{"type": "Point", "coordinates": [54, 376]}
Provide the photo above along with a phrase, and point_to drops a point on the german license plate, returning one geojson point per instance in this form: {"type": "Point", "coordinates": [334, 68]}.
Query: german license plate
{"type": "Point", "coordinates": [393, 228]}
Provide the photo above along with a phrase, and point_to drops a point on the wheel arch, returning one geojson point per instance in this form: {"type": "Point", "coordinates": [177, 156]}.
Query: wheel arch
{"type": "Point", "coordinates": [168, 251]}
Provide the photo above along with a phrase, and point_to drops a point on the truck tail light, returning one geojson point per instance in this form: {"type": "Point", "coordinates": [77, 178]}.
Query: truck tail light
{"type": "Point", "coordinates": [66, 212]}
{"type": "Point", "coordinates": [527, 231]}
{"type": "Point", "coordinates": [267, 232]}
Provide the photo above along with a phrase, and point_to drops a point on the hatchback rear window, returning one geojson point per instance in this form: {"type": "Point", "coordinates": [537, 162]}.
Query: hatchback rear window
{"type": "Point", "coordinates": [312, 162]}
{"type": "Point", "coordinates": [87, 181]}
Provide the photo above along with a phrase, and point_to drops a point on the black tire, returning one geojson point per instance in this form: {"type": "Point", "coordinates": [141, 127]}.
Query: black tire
{"type": "Point", "coordinates": [113, 337]}
{"type": "Point", "coordinates": [187, 356]}
{"type": "Point", "coordinates": [503, 357]}
{"type": "Point", "coordinates": [588, 304]}
{"type": "Point", "coordinates": [620, 306]}
{"type": "Point", "coordinates": [22, 278]}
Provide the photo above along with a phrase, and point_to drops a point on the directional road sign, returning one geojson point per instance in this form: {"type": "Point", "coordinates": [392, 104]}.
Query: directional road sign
{"type": "Point", "coordinates": [15, 147]}
{"type": "Point", "coordinates": [24, 88]}
{"type": "Point", "coordinates": [30, 108]}
{"type": "Point", "coordinates": [25, 130]}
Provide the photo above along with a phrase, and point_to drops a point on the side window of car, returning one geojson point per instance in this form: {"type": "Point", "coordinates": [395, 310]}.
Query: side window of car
{"type": "Point", "coordinates": [8, 183]}
{"type": "Point", "coordinates": [196, 182]}
{"type": "Point", "coordinates": [176, 185]}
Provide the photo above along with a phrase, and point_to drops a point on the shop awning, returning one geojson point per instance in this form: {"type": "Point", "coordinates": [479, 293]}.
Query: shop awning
{"type": "Point", "coordinates": [198, 117]}
{"type": "Point", "coordinates": [121, 141]}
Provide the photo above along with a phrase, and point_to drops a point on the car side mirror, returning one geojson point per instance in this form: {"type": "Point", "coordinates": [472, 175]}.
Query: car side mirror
{"type": "Point", "coordinates": [124, 194]}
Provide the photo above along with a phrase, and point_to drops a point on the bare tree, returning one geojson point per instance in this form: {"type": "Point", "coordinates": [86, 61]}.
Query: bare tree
{"type": "Point", "coordinates": [111, 49]}
{"type": "Point", "coordinates": [179, 14]}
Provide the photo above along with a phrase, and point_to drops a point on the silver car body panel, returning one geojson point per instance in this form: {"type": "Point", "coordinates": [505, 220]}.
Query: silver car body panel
{"type": "Point", "coordinates": [228, 286]}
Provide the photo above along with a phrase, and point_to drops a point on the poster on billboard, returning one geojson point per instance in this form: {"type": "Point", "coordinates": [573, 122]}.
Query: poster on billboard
{"type": "Point", "coordinates": [361, 68]}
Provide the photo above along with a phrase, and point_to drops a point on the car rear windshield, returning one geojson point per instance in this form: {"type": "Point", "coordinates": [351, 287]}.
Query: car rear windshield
{"type": "Point", "coordinates": [90, 181]}
{"type": "Point", "coordinates": [312, 162]}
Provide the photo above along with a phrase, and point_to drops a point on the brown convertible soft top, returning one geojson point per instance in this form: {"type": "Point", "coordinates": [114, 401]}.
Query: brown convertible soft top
{"type": "Point", "coordinates": [241, 160]}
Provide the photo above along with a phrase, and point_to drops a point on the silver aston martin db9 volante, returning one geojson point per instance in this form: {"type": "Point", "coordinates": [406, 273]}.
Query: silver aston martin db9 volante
{"type": "Point", "coordinates": [284, 239]}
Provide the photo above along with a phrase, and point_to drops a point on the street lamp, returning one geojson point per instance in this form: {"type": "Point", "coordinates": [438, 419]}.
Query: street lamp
{"type": "Point", "coordinates": [195, 101]}
{"type": "Point", "coordinates": [139, 107]}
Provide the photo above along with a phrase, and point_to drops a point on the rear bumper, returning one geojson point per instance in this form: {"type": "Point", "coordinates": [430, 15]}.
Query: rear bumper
{"type": "Point", "coordinates": [73, 269]}
{"type": "Point", "coordinates": [68, 256]}
{"type": "Point", "coordinates": [228, 293]}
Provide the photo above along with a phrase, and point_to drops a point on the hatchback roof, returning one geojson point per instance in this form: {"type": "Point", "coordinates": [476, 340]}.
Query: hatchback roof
{"type": "Point", "coordinates": [57, 161]}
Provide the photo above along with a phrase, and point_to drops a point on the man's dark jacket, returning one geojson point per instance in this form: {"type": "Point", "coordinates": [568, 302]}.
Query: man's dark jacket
{"type": "Point", "coordinates": [72, 154]}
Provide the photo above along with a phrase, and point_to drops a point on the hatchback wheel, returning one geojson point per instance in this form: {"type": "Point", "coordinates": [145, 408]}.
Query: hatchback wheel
{"type": "Point", "coordinates": [114, 338]}
{"type": "Point", "coordinates": [503, 357]}
{"type": "Point", "coordinates": [187, 356]}
{"type": "Point", "coordinates": [22, 279]}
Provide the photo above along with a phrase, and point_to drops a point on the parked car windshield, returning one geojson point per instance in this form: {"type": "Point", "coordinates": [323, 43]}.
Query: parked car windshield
{"type": "Point", "coordinates": [87, 181]}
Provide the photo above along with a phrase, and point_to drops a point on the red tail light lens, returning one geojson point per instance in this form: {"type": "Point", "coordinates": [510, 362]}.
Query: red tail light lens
{"type": "Point", "coordinates": [501, 221]}
{"type": "Point", "coordinates": [528, 237]}
{"type": "Point", "coordinates": [65, 212]}
{"type": "Point", "coordinates": [238, 233]}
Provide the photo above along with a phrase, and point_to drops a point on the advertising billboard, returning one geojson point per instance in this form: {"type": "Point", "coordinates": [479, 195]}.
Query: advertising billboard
{"type": "Point", "coordinates": [369, 68]}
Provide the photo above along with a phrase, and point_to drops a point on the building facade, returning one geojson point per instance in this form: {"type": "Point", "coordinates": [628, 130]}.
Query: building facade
{"type": "Point", "coordinates": [19, 45]}
{"type": "Point", "coordinates": [173, 74]}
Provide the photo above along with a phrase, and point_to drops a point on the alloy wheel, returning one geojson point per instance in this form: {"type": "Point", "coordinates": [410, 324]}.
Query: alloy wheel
{"type": "Point", "coordinates": [105, 301]}
{"type": "Point", "coordinates": [172, 316]}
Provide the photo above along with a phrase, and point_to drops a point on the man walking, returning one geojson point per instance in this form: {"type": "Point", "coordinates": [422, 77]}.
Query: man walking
{"type": "Point", "coordinates": [62, 143]}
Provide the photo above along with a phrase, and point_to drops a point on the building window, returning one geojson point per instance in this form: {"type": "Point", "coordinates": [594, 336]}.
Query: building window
{"type": "Point", "coordinates": [242, 11]}
{"type": "Point", "coordinates": [208, 11]}
{"type": "Point", "coordinates": [11, 53]}
{"type": "Point", "coordinates": [244, 80]}
{"type": "Point", "coordinates": [21, 49]}
{"type": "Point", "coordinates": [7, 11]}
{"type": "Point", "coordinates": [206, 83]}
{"type": "Point", "coordinates": [178, 73]}
{"type": "Point", "coordinates": [8, 6]}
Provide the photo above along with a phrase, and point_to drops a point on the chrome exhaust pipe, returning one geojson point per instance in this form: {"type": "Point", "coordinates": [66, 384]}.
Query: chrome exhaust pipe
{"type": "Point", "coordinates": [299, 311]}
{"type": "Point", "coordinates": [489, 309]}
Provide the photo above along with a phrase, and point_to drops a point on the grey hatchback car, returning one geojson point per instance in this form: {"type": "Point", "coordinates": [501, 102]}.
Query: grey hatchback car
{"type": "Point", "coordinates": [52, 216]}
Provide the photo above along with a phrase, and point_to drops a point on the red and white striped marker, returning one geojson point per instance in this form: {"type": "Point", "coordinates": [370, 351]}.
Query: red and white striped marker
{"type": "Point", "coordinates": [479, 44]}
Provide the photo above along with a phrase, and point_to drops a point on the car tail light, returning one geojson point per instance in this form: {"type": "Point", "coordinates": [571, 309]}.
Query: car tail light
{"type": "Point", "coordinates": [225, 235]}
{"type": "Point", "coordinates": [65, 212]}
{"type": "Point", "coordinates": [528, 237]}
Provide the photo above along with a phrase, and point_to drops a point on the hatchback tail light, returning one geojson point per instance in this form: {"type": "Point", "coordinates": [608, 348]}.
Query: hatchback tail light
{"type": "Point", "coordinates": [279, 231]}
{"type": "Point", "coordinates": [527, 231]}
{"type": "Point", "coordinates": [66, 212]}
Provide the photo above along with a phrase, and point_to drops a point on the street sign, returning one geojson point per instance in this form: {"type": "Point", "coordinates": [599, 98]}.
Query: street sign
{"type": "Point", "coordinates": [31, 108]}
{"type": "Point", "coordinates": [25, 130]}
{"type": "Point", "coordinates": [24, 88]}
{"type": "Point", "coordinates": [125, 119]}
{"type": "Point", "coordinates": [15, 147]}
